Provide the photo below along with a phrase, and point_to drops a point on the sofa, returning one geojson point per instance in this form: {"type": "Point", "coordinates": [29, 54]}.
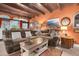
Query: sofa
{"type": "Point", "coordinates": [11, 46]}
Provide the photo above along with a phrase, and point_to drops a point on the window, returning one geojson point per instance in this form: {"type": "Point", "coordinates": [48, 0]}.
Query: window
{"type": "Point", "coordinates": [24, 25]}
{"type": "Point", "coordinates": [14, 24]}
{"type": "Point", "coordinates": [5, 25]}
{"type": "Point", "coordinates": [76, 21]}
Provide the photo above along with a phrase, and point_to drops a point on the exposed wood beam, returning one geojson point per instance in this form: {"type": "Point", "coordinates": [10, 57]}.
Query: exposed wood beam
{"type": "Point", "coordinates": [10, 12]}
{"type": "Point", "coordinates": [6, 13]}
{"type": "Point", "coordinates": [32, 7]}
{"type": "Point", "coordinates": [46, 5]}
{"type": "Point", "coordinates": [28, 9]}
{"type": "Point", "coordinates": [36, 7]}
{"type": "Point", "coordinates": [14, 15]}
{"type": "Point", "coordinates": [76, 4]}
{"type": "Point", "coordinates": [53, 6]}
{"type": "Point", "coordinates": [40, 7]}
{"type": "Point", "coordinates": [50, 6]}
{"type": "Point", "coordinates": [13, 9]}
{"type": "Point", "coordinates": [62, 5]}
{"type": "Point", "coordinates": [3, 13]}
{"type": "Point", "coordinates": [59, 7]}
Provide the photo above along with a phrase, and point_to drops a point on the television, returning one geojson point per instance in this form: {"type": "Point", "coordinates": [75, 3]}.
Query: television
{"type": "Point", "coordinates": [14, 24]}
{"type": "Point", "coordinates": [24, 25]}
{"type": "Point", "coordinates": [53, 22]}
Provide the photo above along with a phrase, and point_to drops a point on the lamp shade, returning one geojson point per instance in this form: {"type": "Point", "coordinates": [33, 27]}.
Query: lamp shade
{"type": "Point", "coordinates": [63, 27]}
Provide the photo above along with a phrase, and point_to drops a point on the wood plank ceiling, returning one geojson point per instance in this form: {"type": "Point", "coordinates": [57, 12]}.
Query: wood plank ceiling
{"type": "Point", "coordinates": [29, 10]}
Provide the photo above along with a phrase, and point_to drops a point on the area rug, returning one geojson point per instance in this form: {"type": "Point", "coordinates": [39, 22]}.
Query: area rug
{"type": "Point", "coordinates": [17, 53]}
{"type": "Point", "coordinates": [48, 52]}
{"type": "Point", "coordinates": [52, 52]}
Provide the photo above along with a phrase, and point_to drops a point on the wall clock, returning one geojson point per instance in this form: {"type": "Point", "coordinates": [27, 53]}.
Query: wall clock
{"type": "Point", "coordinates": [65, 21]}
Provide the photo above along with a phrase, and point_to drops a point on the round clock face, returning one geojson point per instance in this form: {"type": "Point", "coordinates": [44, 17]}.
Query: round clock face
{"type": "Point", "coordinates": [65, 21]}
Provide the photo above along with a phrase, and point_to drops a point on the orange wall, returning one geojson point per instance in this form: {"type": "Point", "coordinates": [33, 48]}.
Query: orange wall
{"type": "Point", "coordinates": [67, 11]}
